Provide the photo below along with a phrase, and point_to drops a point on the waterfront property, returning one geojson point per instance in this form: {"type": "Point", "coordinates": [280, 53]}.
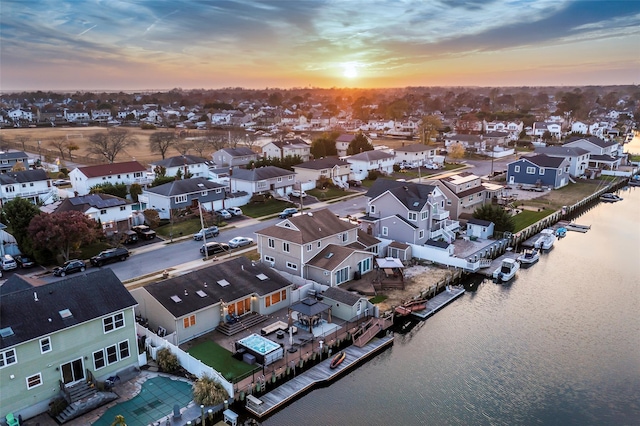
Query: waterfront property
{"type": "Point", "coordinates": [538, 171]}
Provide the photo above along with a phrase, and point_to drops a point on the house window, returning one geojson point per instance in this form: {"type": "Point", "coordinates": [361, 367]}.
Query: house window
{"type": "Point", "coordinates": [124, 349]}
{"type": "Point", "coordinates": [424, 215]}
{"type": "Point", "coordinates": [269, 259]}
{"type": "Point", "coordinates": [516, 169]}
{"type": "Point", "coordinates": [219, 190]}
{"type": "Point", "coordinates": [285, 247]}
{"type": "Point", "coordinates": [98, 359]}
{"type": "Point", "coordinates": [290, 177]}
{"type": "Point", "coordinates": [345, 237]}
{"type": "Point", "coordinates": [421, 234]}
{"type": "Point", "coordinates": [271, 243]}
{"type": "Point", "coordinates": [541, 171]}
{"type": "Point", "coordinates": [189, 321]}
{"type": "Point", "coordinates": [204, 193]}
{"type": "Point", "coordinates": [180, 199]}
{"type": "Point", "coordinates": [342, 275]}
{"type": "Point", "coordinates": [319, 244]}
{"type": "Point", "coordinates": [103, 211]}
{"type": "Point", "coordinates": [448, 202]}
{"type": "Point", "coordinates": [8, 358]}
{"type": "Point", "coordinates": [309, 247]}
{"type": "Point", "coordinates": [470, 197]}
{"type": "Point", "coordinates": [262, 184]}
{"type": "Point", "coordinates": [372, 209]}
{"type": "Point", "coordinates": [279, 179]}
{"type": "Point", "coordinates": [122, 208]}
{"type": "Point", "coordinates": [385, 231]}
{"type": "Point", "coordinates": [275, 298]}
{"type": "Point", "coordinates": [45, 345]}
{"type": "Point", "coordinates": [112, 354]}
{"type": "Point", "coordinates": [364, 265]}
{"type": "Point", "coordinates": [283, 294]}
{"type": "Point", "coordinates": [413, 216]}
{"type": "Point", "coordinates": [34, 381]}
{"type": "Point", "coordinates": [292, 266]}
{"type": "Point", "coordinates": [531, 170]}
{"type": "Point", "coordinates": [113, 322]}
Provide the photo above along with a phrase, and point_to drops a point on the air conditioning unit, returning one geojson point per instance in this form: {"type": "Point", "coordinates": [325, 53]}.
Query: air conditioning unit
{"type": "Point", "coordinates": [272, 264]}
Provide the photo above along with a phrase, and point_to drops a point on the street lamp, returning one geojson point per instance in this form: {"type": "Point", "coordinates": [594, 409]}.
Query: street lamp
{"type": "Point", "coordinates": [40, 151]}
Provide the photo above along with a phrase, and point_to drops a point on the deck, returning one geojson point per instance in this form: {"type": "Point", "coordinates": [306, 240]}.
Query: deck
{"type": "Point", "coordinates": [314, 376]}
{"type": "Point", "coordinates": [439, 301]}
{"type": "Point", "coordinates": [496, 263]}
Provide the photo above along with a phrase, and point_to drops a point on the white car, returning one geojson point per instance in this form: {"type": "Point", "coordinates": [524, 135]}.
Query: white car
{"type": "Point", "coordinates": [224, 214]}
{"type": "Point", "coordinates": [240, 241]}
{"type": "Point", "coordinates": [236, 211]}
{"type": "Point", "coordinates": [299, 194]}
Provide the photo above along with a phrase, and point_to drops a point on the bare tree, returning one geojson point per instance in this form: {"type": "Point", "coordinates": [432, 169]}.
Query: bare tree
{"type": "Point", "coordinates": [202, 146]}
{"type": "Point", "coordinates": [183, 145]}
{"type": "Point", "coordinates": [60, 144]}
{"type": "Point", "coordinates": [217, 140]}
{"type": "Point", "coordinates": [160, 142]}
{"type": "Point", "coordinates": [250, 140]}
{"type": "Point", "coordinates": [110, 143]}
{"type": "Point", "coordinates": [23, 141]}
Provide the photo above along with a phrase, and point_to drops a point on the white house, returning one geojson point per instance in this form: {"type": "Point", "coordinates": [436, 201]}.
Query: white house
{"type": "Point", "coordinates": [112, 212]}
{"type": "Point", "coordinates": [234, 157]}
{"type": "Point", "coordinates": [364, 162]}
{"type": "Point", "coordinates": [263, 180]}
{"type": "Point", "coordinates": [76, 115]}
{"type": "Point", "coordinates": [539, 128]}
{"type": "Point", "coordinates": [130, 172]}
{"type": "Point", "coordinates": [332, 168]}
{"type": "Point", "coordinates": [287, 148]}
{"type": "Point", "coordinates": [32, 185]}
{"type": "Point", "coordinates": [578, 157]}
{"type": "Point", "coordinates": [415, 155]}
{"type": "Point", "coordinates": [187, 164]}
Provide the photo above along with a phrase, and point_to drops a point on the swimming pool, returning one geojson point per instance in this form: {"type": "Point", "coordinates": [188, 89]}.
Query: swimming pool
{"type": "Point", "coordinates": [264, 350]}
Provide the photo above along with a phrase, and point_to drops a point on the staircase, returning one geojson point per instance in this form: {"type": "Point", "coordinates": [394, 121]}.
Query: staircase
{"type": "Point", "coordinates": [76, 395]}
{"type": "Point", "coordinates": [245, 323]}
{"type": "Point", "coordinates": [369, 330]}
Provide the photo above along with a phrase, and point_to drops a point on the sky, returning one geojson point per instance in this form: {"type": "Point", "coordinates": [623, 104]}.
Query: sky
{"type": "Point", "coordinates": [192, 44]}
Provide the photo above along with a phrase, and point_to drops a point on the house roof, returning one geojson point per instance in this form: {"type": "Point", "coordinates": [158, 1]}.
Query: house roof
{"type": "Point", "coordinates": [561, 151]}
{"type": "Point", "coordinates": [330, 257]}
{"type": "Point", "coordinates": [496, 134]}
{"type": "Point", "coordinates": [184, 186]}
{"type": "Point", "coordinates": [399, 245]}
{"type": "Point", "coordinates": [308, 227]}
{"type": "Point", "coordinates": [412, 195]}
{"type": "Point", "coordinates": [593, 139]}
{"type": "Point", "coordinates": [227, 281]}
{"type": "Point", "coordinates": [465, 138]}
{"type": "Point", "coordinates": [112, 169]}
{"type": "Point", "coordinates": [439, 244]}
{"type": "Point", "coordinates": [85, 202]}
{"type": "Point", "coordinates": [341, 295]}
{"type": "Point", "coordinates": [238, 152]}
{"type": "Point", "coordinates": [180, 160]}
{"type": "Point", "coordinates": [86, 295]}
{"type": "Point", "coordinates": [416, 147]}
{"type": "Point", "coordinates": [297, 143]}
{"type": "Point", "coordinates": [371, 156]}
{"type": "Point", "coordinates": [366, 239]}
{"type": "Point", "coordinates": [23, 176]}
{"type": "Point", "coordinates": [480, 222]}
{"type": "Point", "coordinates": [14, 155]}
{"type": "Point", "coordinates": [542, 160]}
{"type": "Point", "coordinates": [322, 163]}
{"type": "Point", "coordinates": [261, 173]}
{"type": "Point", "coordinates": [345, 137]}
{"type": "Point", "coordinates": [310, 307]}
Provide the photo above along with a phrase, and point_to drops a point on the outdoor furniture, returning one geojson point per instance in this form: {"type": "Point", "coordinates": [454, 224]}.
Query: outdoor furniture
{"type": "Point", "coordinates": [230, 417]}
{"type": "Point", "coordinates": [249, 358]}
{"type": "Point", "coordinates": [280, 334]}
{"type": "Point", "coordinates": [11, 420]}
{"type": "Point", "coordinates": [278, 325]}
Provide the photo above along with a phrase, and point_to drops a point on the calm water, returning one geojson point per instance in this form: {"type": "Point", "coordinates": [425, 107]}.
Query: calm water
{"type": "Point", "coordinates": [559, 345]}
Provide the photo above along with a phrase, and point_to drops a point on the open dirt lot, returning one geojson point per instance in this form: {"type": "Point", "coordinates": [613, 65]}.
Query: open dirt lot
{"type": "Point", "coordinates": [418, 278]}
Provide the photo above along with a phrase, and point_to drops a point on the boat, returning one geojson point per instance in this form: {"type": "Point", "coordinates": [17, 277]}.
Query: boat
{"type": "Point", "coordinates": [572, 226]}
{"type": "Point", "coordinates": [634, 182]}
{"type": "Point", "coordinates": [529, 257]}
{"type": "Point", "coordinates": [610, 197]}
{"type": "Point", "coordinates": [561, 232]}
{"type": "Point", "coordinates": [546, 239]}
{"type": "Point", "coordinates": [337, 360]}
{"type": "Point", "coordinates": [507, 270]}
{"type": "Point", "coordinates": [411, 306]}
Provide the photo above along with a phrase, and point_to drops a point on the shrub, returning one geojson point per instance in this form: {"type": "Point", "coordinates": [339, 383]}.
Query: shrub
{"type": "Point", "coordinates": [209, 391]}
{"type": "Point", "coordinates": [373, 175]}
{"type": "Point", "coordinates": [167, 361]}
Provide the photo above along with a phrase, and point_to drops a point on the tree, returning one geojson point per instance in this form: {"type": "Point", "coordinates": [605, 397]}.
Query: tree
{"type": "Point", "coordinates": [152, 218]}
{"type": "Point", "coordinates": [71, 146]}
{"type": "Point", "coordinates": [456, 151]}
{"type": "Point", "coordinates": [208, 391]}
{"type": "Point", "coordinates": [23, 141]}
{"type": "Point", "coordinates": [183, 145]}
{"type": "Point", "coordinates": [18, 167]}
{"type": "Point", "coordinates": [117, 189]}
{"type": "Point", "coordinates": [119, 421]}
{"type": "Point", "coordinates": [160, 142]}
{"type": "Point", "coordinates": [17, 214]}
{"type": "Point", "coordinates": [63, 232]}
{"type": "Point", "coordinates": [135, 190]}
{"type": "Point", "coordinates": [324, 146]}
{"type": "Point", "coordinates": [60, 144]}
{"type": "Point", "coordinates": [110, 143]}
{"type": "Point", "coordinates": [501, 218]}
{"type": "Point", "coordinates": [429, 128]}
{"type": "Point", "coordinates": [359, 144]}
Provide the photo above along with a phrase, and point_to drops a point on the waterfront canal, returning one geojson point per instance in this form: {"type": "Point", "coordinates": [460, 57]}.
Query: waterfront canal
{"type": "Point", "coordinates": [560, 344]}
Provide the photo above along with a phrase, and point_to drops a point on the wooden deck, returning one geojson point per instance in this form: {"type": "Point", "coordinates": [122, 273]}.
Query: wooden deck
{"type": "Point", "coordinates": [439, 301]}
{"type": "Point", "coordinates": [496, 263]}
{"type": "Point", "coordinates": [316, 375]}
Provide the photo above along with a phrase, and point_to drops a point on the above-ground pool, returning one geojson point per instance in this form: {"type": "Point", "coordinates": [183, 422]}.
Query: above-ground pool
{"type": "Point", "coordinates": [264, 350]}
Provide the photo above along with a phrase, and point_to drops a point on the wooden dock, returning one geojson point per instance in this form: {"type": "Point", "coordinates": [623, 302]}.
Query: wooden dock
{"type": "Point", "coordinates": [439, 301]}
{"type": "Point", "coordinates": [496, 263]}
{"type": "Point", "coordinates": [316, 375]}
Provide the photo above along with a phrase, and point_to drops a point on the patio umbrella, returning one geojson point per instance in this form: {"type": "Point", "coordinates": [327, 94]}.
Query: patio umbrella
{"type": "Point", "coordinates": [290, 336]}
{"type": "Point", "coordinates": [290, 319]}
{"type": "Point", "coordinates": [329, 316]}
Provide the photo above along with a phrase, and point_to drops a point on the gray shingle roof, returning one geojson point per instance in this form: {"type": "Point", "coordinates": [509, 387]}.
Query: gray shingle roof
{"type": "Point", "coordinates": [23, 176]}
{"type": "Point", "coordinates": [112, 169]}
{"type": "Point", "coordinates": [307, 228]}
{"type": "Point", "coordinates": [412, 195]}
{"type": "Point", "coordinates": [85, 202]}
{"type": "Point", "coordinates": [593, 139]}
{"type": "Point", "coordinates": [14, 155]}
{"type": "Point", "coordinates": [371, 156]}
{"type": "Point", "coordinates": [341, 295]}
{"type": "Point", "coordinates": [184, 186]}
{"type": "Point", "coordinates": [180, 160]}
{"type": "Point", "coordinates": [480, 222]}
{"type": "Point", "coordinates": [322, 163]}
{"type": "Point", "coordinates": [416, 147]}
{"type": "Point", "coordinates": [565, 151]}
{"type": "Point", "coordinates": [545, 161]}
{"type": "Point", "coordinates": [261, 173]}
{"type": "Point", "coordinates": [238, 152]}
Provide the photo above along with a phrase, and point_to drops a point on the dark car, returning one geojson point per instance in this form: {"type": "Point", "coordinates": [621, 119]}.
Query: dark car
{"type": "Point", "coordinates": [213, 248]}
{"type": "Point", "coordinates": [353, 182]}
{"type": "Point", "coordinates": [144, 232]}
{"type": "Point", "coordinates": [288, 212]}
{"type": "Point", "coordinates": [24, 261]}
{"type": "Point", "coordinates": [111, 255]}
{"type": "Point", "coordinates": [69, 267]}
{"type": "Point", "coordinates": [129, 237]}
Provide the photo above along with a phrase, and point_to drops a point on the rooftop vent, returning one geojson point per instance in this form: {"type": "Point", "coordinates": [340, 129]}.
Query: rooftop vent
{"type": "Point", "coordinates": [176, 299]}
{"type": "Point", "coordinates": [329, 255]}
{"type": "Point", "coordinates": [186, 293]}
{"type": "Point", "coordinates": [223, 283]}
{"type": "Point", "coordinates": [65, 313]}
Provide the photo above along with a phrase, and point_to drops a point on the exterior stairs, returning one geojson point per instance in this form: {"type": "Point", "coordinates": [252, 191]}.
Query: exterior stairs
{"type": "Point", "coordinates": [75, 396]}
{"type": "Point", "coordinates": [243, 324]}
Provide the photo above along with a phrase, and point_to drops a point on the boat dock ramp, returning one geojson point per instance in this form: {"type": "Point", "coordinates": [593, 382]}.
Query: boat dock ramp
{"type": "Point", "coordinates": [497, 262]}
{"type": "Point", "coordinates": [316, 375]}
{"type": "Point", "coordinates": [439, 301]}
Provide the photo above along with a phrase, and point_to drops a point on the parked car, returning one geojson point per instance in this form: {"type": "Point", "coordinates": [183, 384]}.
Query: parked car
{"type": "Point", "coordinates": [144, 232]}
{"type": "Point", "coordinates": [236, 211]}
{"type": "Point", "coordinates": [214, 247]}
{"type": "Point", "coordinates": [240, 241]}
{"type": "Point", "coordinates": [209, 232]}
{"type": "Point", "coordinates": [299, 194]}
{"type": "Point", "coordinates": [354, 182]}
{"type": "Point", "coordinates": [224, 214]}
{"type": "Point", "coordinates": [111, 255]}
{"type": "Point", "coordinates": [8, 262]}
{"type": "Point", "coordinates": [61, 182]}
{"type": "Point", "coordinates": [288, 212]}
{"type": "Point", "coordinates": [24, 261]}
{"type": "Point", "coordinates": [129, 237]}
{"type": "Point", "coordinates": [69, 267]}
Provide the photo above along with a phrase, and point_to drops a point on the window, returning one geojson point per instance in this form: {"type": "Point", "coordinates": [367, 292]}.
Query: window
{"type": "Point", "coordinates": [180, 199]}
{"type": "Point", "coordinates": [45, 345]}
{"type": "Point", "coordinates": [292, 266]}
{"type": "Point", "coordinates": [219, 190]}
{"type": "Point", "coordinates": [342, 275]}
{"type": "Point", "coordinates": [189, 321]}
{"type": "Point", "coordinates": [413, 216]}
{"type": "Point", "coordinates": [279, 179]}
{"type": "Point", "coordinates": [103, 211]}
{"type": "Point", "coordinates": [8, 358]}
{"type": "Point", "coordinates": [516, 169]}
{"type": "Point", "coordinates": [309, 247]}
{"type": "Point", "coordinates": [122, 208]}
{"type": "Point", "coordinates": [283, 294]}
{"type": "Point", "coordinates": [204, 193]}
{"type": "Point", "coordinates": [262, 184]}
{"type": "Point", "coordinates": [113, 322]}
{"type": "Point", "coordinates": [285, 247]}
{"type": "Point", "coordinates": [124, 349]}
{"type": "Point", "coordinates": [319, 244]}
{"type": "Point", "coordinates": [345, 237]}
{"type": "Point", "coordinates": [541, 171]}
{"type": "Point", "coordinates": [364, 265]}
{"type": "Point", "coordinates": [271, 243]}
{"type": "Point", "coordinates": [98, 359]}
{"type": "Point", "coordinates": [372, 209]}
{"type": "Point", "coordinates": [531, 170]}
{"type": "Point", "coordinates": [269, 259]}
{"type": "Point", "coordinates": [112, 354]}
{"type": "Point", "coordinates": [275, 298]}
{"type": "Point", "coordinates": [290, 177]}
{"type": "Point", "coordinates": [424, 215]}
{"type": "Point", "coordinates": [34, 381]}
{"type": "Point", "coordinates": [470, 197]}
{"type": "Point", "coordinates": [385, 231]}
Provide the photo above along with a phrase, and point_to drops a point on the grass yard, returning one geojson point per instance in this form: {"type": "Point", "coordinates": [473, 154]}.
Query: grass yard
{"type": "Point", "coordinates": [220, 359]}
{"type": "Point", "coordinates": [269, 207]}
{"type": "Point", "coordinates": [328, 194]}
{"type": "Point", "coordinates": [565, 196]}
{"type": "Point", "coordinates": [528, 217]}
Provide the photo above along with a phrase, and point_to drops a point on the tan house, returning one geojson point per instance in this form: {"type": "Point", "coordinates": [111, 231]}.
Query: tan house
{"type": "Point", "coordinates": [332, 168]}
{"type": "Point", "coordinates": [465, 192]}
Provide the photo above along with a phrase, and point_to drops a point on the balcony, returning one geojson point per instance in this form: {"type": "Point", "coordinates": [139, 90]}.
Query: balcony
{"type": "Point", "coordinates": [440, 215]}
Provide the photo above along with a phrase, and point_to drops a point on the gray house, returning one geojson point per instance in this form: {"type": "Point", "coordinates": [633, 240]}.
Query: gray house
{"type": "Point", "coordinates": [345, 304]}
{"type": "Point", "coordinates": [578, 157]}
{"type": "Point", "coordinates": [539, 170]}
{"type": "Point", "coordinates": [479, 228]}
{"type": "Point", "coordinates": [234, 157]}
{"type": "Point", "coordinates": [262, 180]}
{"type": "Point", "coordinates": [9, 159]}
{"type": "Point", "coordinates": [184, 193]}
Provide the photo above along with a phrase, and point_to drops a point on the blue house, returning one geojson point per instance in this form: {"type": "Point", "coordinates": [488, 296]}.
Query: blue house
{"type": "Point", "coordinates": [539, 170]}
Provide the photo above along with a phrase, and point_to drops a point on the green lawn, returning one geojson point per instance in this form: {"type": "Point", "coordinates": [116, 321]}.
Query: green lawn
{"type": "Point", "coordinates": [220, 359]}
{"type": "Point", "coordinates": [188, 227]}
{"type": "Point", "coordinates": [269, 207]}
{"type": "Point", "coordinates": [528, 217]}
{"type": "Point", "coordinates": [377, 299]}
{"type": "Point", "coordinates": [328, 194]}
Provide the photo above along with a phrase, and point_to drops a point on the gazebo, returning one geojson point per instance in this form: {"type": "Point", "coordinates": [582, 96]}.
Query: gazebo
{"type": "Point", "coordinates": [310, 310]}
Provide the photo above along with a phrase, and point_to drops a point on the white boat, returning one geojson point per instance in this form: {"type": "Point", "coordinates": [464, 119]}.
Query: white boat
{"type": "Point", "coordinates": [507, 270]}
{"type": "Point", "coordinates": [546, 239]}
{"type": "Point", "coordinates": [610, 197]}
{"type": "Point", "coordinates": [572, 226]}
{"type": "Point", "coordinates": [529, 257]}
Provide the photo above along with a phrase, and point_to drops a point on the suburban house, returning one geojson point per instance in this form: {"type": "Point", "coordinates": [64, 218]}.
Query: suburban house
{"type": "Point", "coordinates": [9, 159]}
{"type": "Point", "coordinates": [318, 246]}
{"type": "Point", "coordinates": [539, 170]}
{"type": "Point", "coordinates": [186, 164]}
{"type": "Point", "coordinates": [287, 148]}
{"type": "Point", "coordinates": [578, 157]}
{"type": "Point", "coordinates": [129, 172]}
{"type": "Point", "coordinates": [415, 154]}
{"type": "Point", "coordinates": [540, 127]}
{"type": "Point", "coordinates": [346, 305]}
{"type": "Point", "coordinates": [407, 212]}
{"type": "Point", "coordinates": [268, 179]}
{"type": "Point", "coordinates": [602, 154]}
{"type": "Point", "coordinates": [112, 212]}
{"type": "Point", "coordinates": [62, 334]}
{"type": "Point", "coordinates": [512, 128]}
{"type": "Point", "coordinates": [342, 143]}
{"type": "Point", "coordinates": [234, 157]}
{"type": "Point", "coordinates": [465, 192]}
{"type": "Point", "coordinates": [183, 193]}
{"type": "Point", "coordinates": [332, 168]}
{"type": "Point", "coordinates": [197, 302]}
{"type": "Point", "coordinates": [32, 185]}
{"type": "Point", "coordinates": [368, 161]}
{"type": "Point", "coordinates": [474, 142]}
{"type": "Point", "coordinates": [496, 138]}
{"type": "Point", "coordinates": [478, 228]}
